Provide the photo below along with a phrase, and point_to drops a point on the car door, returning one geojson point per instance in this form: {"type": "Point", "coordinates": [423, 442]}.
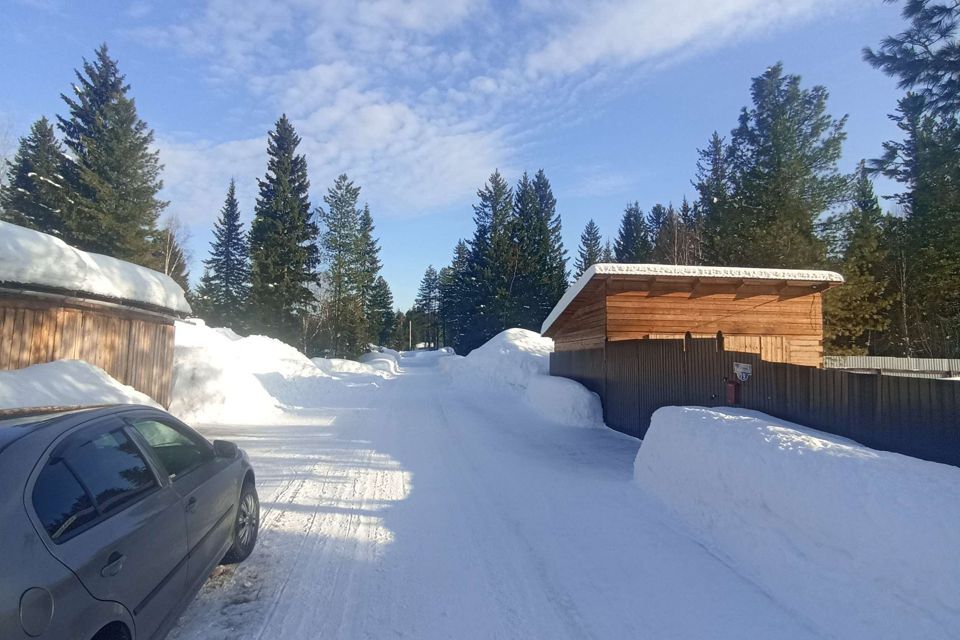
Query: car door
{"type": "Point", "coordinates": [126, 539]}
{"type": "Point", "coordinates": [205, 484]}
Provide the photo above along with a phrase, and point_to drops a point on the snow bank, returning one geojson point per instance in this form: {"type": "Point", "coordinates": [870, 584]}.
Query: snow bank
{"type": "Point", "coordinates": [64, 383]}
{"type": "Point", "coordinates": [511, 357]}
{"type": "Point", "coordinates": [334, 366]}
{"type": "Point", "coordinates": [219, 377]}
{"type": "Point", "coordinates": [565, 401]}
{"type": "Point", "coordinates": [385, 361]}
{"type": "Point", "coordinates": [28, 257]}
{"type": "Point", "coordinates": [861, 542]}
{"type": "Point", "coordinates": [519, 360]}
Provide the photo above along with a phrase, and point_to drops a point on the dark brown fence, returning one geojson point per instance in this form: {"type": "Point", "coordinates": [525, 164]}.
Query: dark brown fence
{"type": "Point", "coordinates": [915, 416]}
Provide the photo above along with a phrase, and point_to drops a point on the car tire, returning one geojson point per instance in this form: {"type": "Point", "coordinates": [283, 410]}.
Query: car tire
{"type": "Point", "coordinates": [246, 526]}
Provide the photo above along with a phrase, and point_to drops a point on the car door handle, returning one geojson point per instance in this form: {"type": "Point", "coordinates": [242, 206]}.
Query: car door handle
{"type": "Point", "coordinates": [191, 504]}
{"type": "Point", "coordinates": [114, 565]}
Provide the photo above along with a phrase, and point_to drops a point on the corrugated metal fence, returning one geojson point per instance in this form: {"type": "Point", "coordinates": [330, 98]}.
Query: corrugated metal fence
{"type": "Point", "coordinates": [914, 416]}
{"type": "Point", "coordinates": [917, 367]}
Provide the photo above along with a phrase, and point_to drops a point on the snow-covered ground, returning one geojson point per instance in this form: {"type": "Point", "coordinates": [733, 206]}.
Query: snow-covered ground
{"type": "Point", "coordinates": [425, 495]}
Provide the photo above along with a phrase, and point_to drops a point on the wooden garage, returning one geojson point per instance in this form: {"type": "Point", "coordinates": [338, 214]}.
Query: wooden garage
{"type": "Point", "coordinates": [775, 313]}
{"type": "Point", "coordinates": [57, 302]}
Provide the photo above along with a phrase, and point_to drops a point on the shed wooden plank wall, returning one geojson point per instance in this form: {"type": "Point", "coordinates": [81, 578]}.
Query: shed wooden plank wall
{"type": "Point", "coordinates": [134, 348]}
{"type": "Point", "coordinates": [584, 329]}
{"type": "Point", "coordinates": [780, 327]}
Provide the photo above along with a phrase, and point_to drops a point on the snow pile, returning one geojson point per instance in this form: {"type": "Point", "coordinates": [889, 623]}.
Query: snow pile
{"type": "Point", "coordinates": [28, 257]}
{"type": "Point", "coordinates": [861, 542]}
{"type": "Point", "coordinates": [64, 383]}
{"type": "Point", "coordinates": [385, 361]}
{"type": "Point", "coordinates": [335, 366]}
{"type": "Point", "coordinates": [219, 377]}
{"type": "Point", "coordinates": [519, 360]}
{"type": "Point", "coordinates": [511, 357]}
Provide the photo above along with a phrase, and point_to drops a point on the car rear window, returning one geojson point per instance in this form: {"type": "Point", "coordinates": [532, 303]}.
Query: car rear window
{"type": "Point", "coordinates": [60, 501]}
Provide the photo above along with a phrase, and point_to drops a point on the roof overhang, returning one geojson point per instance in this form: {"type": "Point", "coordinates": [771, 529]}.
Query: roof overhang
{"type": "Point", "coordinates": [816, 280]}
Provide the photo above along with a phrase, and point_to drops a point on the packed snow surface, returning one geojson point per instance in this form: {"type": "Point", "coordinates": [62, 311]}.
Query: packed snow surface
{"type": "Point", "coordinates": [64, 383]}
{"type": "Point", "coordinates": [29, 257]}
{"type": "Point", "coordinates": [683, 271]}
{"type": "Point", "coordinates": [861, 543]}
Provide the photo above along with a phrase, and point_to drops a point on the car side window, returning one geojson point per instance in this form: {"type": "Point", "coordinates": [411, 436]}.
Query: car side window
{"type": "Point", "coordinates": [60, 501]}
{"type": "Point", "coordinates": [112, 468]}
{"type": "Point", "coordinates": [177, 451]}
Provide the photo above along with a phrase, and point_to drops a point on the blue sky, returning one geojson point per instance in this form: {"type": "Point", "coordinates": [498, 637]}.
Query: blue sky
{"type": "Point", "coordinates": [419, 100]}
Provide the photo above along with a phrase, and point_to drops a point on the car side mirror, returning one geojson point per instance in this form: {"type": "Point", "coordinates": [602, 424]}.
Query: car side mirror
{"type": "Point", "coordinates": [225, 449]}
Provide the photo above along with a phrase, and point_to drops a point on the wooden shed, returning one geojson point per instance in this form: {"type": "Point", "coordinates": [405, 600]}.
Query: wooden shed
{"type": "Point", "coordinates": [57, 302]}
{"type": "Point", "coordinates": [775, 313]}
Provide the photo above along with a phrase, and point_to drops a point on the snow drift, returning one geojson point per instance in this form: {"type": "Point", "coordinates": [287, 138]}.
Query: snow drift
{"type": "Point", "coordinates": [519, 360]}
{"type": "Point", "coordinates": [64, 383]}
{"type": "Point", "coordinates": [335, 366]}
{"type": "Point", "coordinates": [386, 361]}
{"type": "Point", "coordinates": [854, 539]}
{"type": "Point", "coordinates": [29, 257]}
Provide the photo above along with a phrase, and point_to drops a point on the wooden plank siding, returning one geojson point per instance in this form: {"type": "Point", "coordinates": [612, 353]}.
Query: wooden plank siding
{"type": "Point", "coordinates": [134, 348]}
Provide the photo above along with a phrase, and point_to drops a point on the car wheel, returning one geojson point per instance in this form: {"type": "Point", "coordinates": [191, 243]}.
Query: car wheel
{"type": "Point", "coordinates": [246, 527]}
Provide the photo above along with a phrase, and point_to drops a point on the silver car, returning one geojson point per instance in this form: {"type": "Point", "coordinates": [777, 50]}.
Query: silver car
{"type": "Point", "coordinates": [112, 518]}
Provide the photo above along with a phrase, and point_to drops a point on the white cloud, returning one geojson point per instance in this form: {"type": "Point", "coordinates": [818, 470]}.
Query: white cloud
{"type": "Point", "coordinates": [621, 33]}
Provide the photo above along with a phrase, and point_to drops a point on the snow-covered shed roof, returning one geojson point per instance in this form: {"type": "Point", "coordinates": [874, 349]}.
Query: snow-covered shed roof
{"type": "Point", "coordinates": [31, 259]}
{"type": "Point", "coordinates": [667, 272]}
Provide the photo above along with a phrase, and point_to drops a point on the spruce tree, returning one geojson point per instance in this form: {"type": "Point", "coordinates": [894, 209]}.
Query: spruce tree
{"type": "Point", "coordinates": [114, 176]}
{"type": "Point", "coordinates": [368, 267]}
{"type": "Point", "coordinates": [226, 282]}
{"type": "Point", "coordinates": [606, 255]}
{"type": "Point", "coordinates": [856, 313]}
{"type": "Point", "coordinates": [380, 309]}
{"type": "Point", "coordinates": [590, 250]}
{"type": "Point", "coordinates": [532, 266]}
{"type": "Point", "coordinates": [283, 251]}
{"type": "Point", "coordinates": [489, 265]}
{"type": "Point", "coordinates": [714, 190]}
{"type": "Point", "coordinates": [783, 161]}
{"type": "Point", "coordinates": [455, 297]}
{"type": "Point", "coordinates": [340, 241]}
{"type": "Point", "coordinates": [669, 235]}
{"type": "Point", "coordinates": [633, 243]}
{"type": "Point", "coordinates": [555, 283]}
{"type": "Point", "coordinates": [427, 303]}
{"type": "Point", "coordinates": [34, 194]}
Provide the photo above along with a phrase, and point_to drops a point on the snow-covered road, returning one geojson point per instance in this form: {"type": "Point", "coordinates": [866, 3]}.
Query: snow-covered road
{"type": "Point", "coordinates": [414, 508]}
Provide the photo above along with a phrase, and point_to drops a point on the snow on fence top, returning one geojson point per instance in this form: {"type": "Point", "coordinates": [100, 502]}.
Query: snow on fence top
{"type": "Point", "coordinates": [684, 271]}
{"type": "Point", "coordinates": [31, 258]}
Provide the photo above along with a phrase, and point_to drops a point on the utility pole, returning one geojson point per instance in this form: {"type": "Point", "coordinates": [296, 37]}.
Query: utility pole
{"type": "Point", "coordinates": [410, 335]}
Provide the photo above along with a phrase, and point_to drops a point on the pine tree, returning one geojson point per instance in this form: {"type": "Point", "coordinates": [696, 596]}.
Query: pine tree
{"type": "Point", "coordinates": [380, 309]}
{"type": "Point", "coordinates": [856, 313]}
{"type": "Point", "coordinates": [590, 250]}
{"type": "Point", "coordinates": [283, 251]}
{"type": "Point", "coordinates": [927, 164]}
{"type": "Point", "coordinates": [925, 57]}
{"type": "Point", "coordinates": [34, 196]}
{"type": "Point", "coordinates": [633, 243]}
{"type": "Point", "coordinates": [226, 282]}
{"type": "Point", "coordinates": [368, 267]}
{"type": "Point", "coordinates": [783, 161]}
{"type": "Point", "coordinates": [339, 243]}
{"type": "Point", "coordinates": [113, 180]}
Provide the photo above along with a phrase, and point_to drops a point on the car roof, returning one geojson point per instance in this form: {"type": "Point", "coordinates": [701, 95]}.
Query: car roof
{"type": "Point", "coordinates": [16, 423]}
